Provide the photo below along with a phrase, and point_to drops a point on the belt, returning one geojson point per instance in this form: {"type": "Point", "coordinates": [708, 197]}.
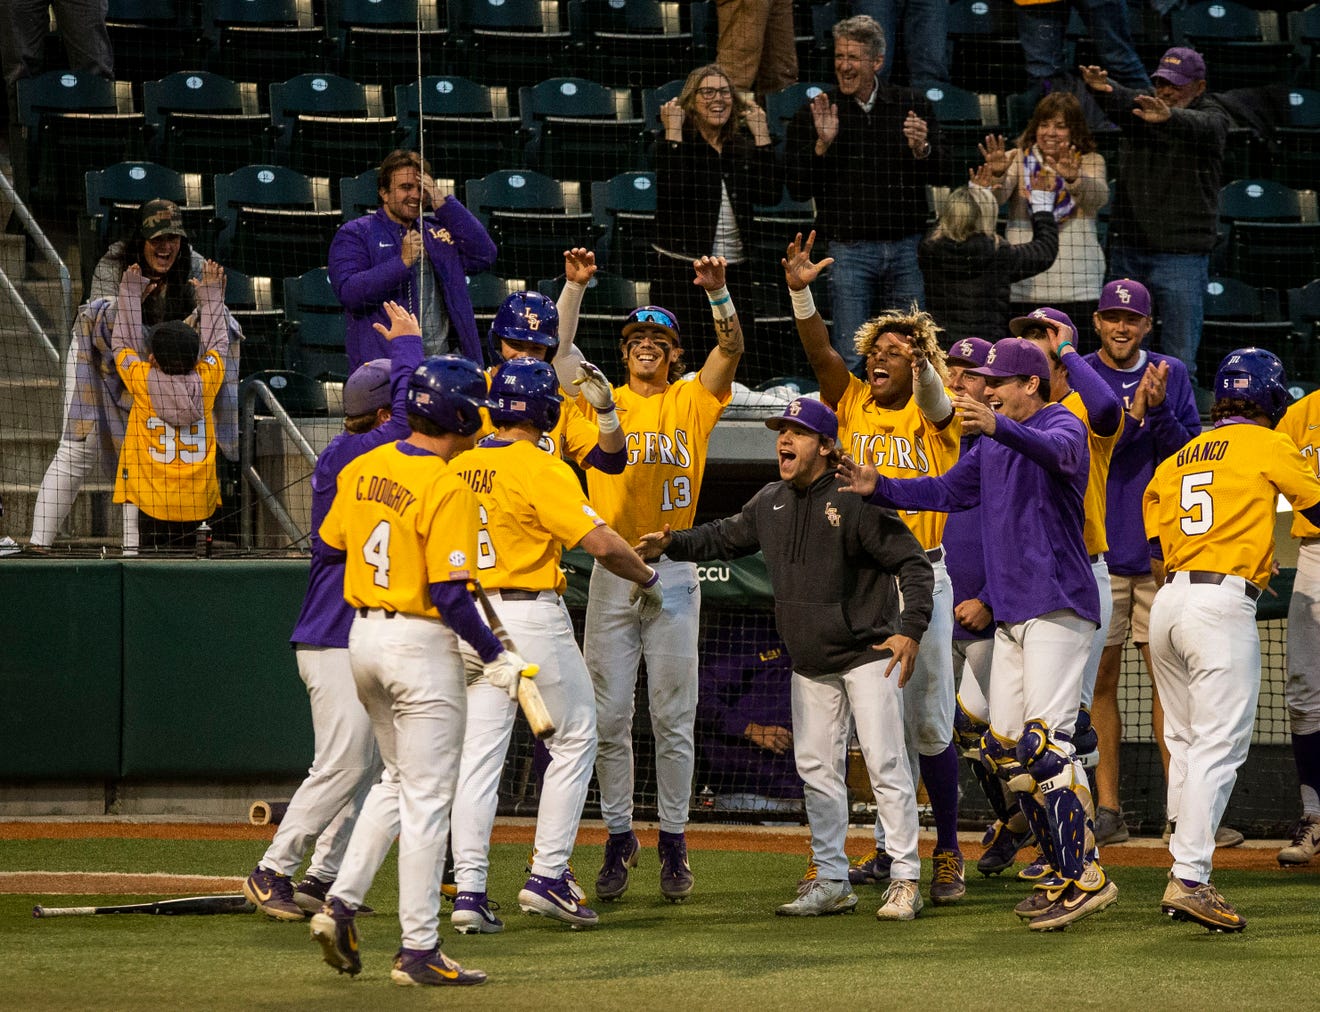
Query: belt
{"type": "Point", "coordinates": [517, 595]}
{"type": "Point", "coordinates": [935, 554]}
{"type": "Point", "coordinates": [1097, 557]}
{"type": "Point", "coordinates": [365, 612]}
{"type": "Point", "coordinates": [1200, 576]}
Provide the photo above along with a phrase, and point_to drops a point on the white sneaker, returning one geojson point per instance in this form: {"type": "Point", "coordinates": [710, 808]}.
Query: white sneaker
{"type": "Point", "coordinates": [902, 901]}
{"type": "Point", "coordinates": [1305, 842]}
{"type": "Point", "coordinates": [821, 897]}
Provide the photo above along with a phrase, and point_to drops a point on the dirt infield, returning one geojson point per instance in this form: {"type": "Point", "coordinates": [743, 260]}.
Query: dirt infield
{"type": "Point", "coordinates": [1256, 855]}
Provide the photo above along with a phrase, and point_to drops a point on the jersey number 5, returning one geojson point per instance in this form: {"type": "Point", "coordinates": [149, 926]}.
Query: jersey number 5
{"type": "Point", "coordinates": [676, 493]}
{"type": "Point", "coordinates": [1196, 503]}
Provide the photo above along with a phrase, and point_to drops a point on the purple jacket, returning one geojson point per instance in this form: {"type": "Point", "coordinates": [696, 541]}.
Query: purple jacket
{"type": "Point", "coordinates": [1139, 450]}
{"type": "Point", "coordinates": [366, 268]}
{"type": "Point", "coordinates": [963, 557]}
{"type": "Point", "coordinates": [325, 617]}
{"type": "Point", "coordinates": [1029, 479]}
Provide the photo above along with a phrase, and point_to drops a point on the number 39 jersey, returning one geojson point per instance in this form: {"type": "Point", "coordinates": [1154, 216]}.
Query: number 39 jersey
{"type": "Point", "coordinates": [404, 520]}
{"type": "Point", "coordinates": [530, 506]}
{"type": "Point", "coordinates": [168, 471]}
{"type": "Point", "coordinates": [667, 438]}
{"type": "Point", "coordinates": [1211, 504]}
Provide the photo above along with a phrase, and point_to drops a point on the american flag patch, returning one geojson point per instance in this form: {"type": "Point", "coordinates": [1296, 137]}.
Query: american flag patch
{"type": "Point", "coordinates": [1241, 382]}
{"type": "Point", "coordinates": [518, 406]}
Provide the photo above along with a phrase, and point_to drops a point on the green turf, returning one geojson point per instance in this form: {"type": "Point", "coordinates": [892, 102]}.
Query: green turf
{"type": "Point", "coordinates": [723, 949]}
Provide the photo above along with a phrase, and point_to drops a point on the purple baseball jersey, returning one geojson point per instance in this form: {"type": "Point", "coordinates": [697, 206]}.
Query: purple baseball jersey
{"type": "Point", "coordinates": [963, 558]}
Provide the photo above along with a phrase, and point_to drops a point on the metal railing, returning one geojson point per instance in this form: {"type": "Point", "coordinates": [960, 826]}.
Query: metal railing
{"type": "Point", "coordinates": [47, 251]}
{"type": "Point", "coordinates": [250, 390]}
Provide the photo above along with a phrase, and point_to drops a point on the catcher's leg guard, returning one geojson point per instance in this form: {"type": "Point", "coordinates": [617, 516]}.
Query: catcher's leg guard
{"type": "Point", "coordinates": [1086, 743]}
{"type": "Point", "coordinates": [1062, 782]}
{"type": "Point", "coordinates": [968, 730]}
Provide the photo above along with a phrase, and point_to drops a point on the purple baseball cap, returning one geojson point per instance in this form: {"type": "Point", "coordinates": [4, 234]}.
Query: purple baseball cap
{"type": "Point", "coordinates": [1020, 323]}
{"type": "Point", "coordinates": [368, 389]}
{"type": "Point", "coordinates": [1016, 356]}
{"type": "Point", "coordinates": [1180, 66]}
{"type": "Point", "coordinates": [969, 351]}
{"type": "Point", "coordinates": [810, 414]}
{"type": "Point", "coordinates": [1124, 293]}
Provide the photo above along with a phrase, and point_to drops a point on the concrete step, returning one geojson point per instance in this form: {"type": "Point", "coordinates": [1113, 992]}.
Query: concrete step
{"type": "Point", "coordinates": [94, 518]}
{"type": "Point", "coordinates": [30, 406]}
{"type": "Point", "coordinates": [13, 256]}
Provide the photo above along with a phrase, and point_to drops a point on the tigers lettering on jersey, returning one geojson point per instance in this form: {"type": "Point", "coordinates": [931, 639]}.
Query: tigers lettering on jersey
{"type": "Point", "coordinates": [659, 448]}
{"type": "Point", "coordinates": [890, 451]}
{"type": "Point", "coordinates": [1301, 423]}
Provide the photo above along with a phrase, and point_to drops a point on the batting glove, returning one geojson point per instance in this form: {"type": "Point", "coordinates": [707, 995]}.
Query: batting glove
{"type": "Point", "coordinates": [595, 387]}
{"type": "Point", "coordinates": [505, 671]}
{"type": "Point", "coordinates": [649, 597]}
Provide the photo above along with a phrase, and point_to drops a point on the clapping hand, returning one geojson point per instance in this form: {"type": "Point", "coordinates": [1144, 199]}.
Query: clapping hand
{"type": "Point", "coordinates": [825, 117]}
{"type": "Point", "coordinates": [401, 322]}
{"type": "Point", "coordinates": [994, 153]}
{"type": "Point", "coordinates": [855, 477]}
{"type": "Point", "coordinates": [671, 118]}
{"type": "Point", "coordinates": [1096, 78]}
{"type": "Point", "coordinates": [977, 418]}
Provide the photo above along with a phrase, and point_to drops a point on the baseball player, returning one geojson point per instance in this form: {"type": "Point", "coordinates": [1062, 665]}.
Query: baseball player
{"type": "Point", "coordinates": [1161, 416]}
{"type": "Point", "coordinates": [901, 420]}
{"type": "Point", "coordinates": [531, 505]}
{"type": "Point", "coordinates": [345, 762]}
{"type": "Point", "coordinates": [1209, 513]}
{"type": "Point", "coordinates": [407, 525]}
{"type": "Point", "coordinates": [1302, 691]}
{"type": "Point", "coordinates": [667, 422]}
{"type": "Point", "coordinates": [1074, 384]}
{"type": "Point", "coordinates": [1029, 473]}
{"type": "Point", "coordinates": [974, 633]}
{"type": "Point", "coordinates": [832, 564]}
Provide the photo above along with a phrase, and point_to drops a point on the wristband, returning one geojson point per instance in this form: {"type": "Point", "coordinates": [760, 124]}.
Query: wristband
{"type": "Point", "coordinates": [655, 578]}
{"type": "Point", "coordinates": [721, 304]}
{"type": "Point", "coordinates": [804, 304]}
{"type": "Point", "coordinates": [1064, 344]}
{"type": "Point", "coordinates": [607, 421]}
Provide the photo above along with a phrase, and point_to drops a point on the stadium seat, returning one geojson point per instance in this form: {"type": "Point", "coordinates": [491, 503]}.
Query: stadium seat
{"type": "Point", "coordinates": [251, 301]}
{"type": "Point", "coordinates": [274, 219]}
{"type": "Point", "coordinates": [985, 55]}
{"type": "Point", "coordinates": [487, 291]}
{"type": "Point", "coordinates": [1242, 46]}
{"type": "Point", "coordinates": [469, 122]}
{"type": "Point", "coordinates": [202, 122]}
{"type": "Point", "coordinates": [531, 217]}
{"type": "Point", "coordinates": [114, 196]}
{"type": "Point", "coordinates": [297, 393]}
{"type": "Point", "coordinates": [149, 36]}
{"type": "Point", "coordinates": [264, 41]}
{"type": "Point", "coordinates": [514, 43]}
{"type": "Point", "coordinates": [781, 106]}
{"type": "Point", "coordinates": [382, 40]}
{"type": "Point", "coordinates": [773, 227]}
{"type": "Point", "coordinates": [1304, 314]}
{"type": "Point", "coordinates": [652, 128]}
{"type": "Point", "coordinates": [964, 119]}
{"type": "Point", "coordinates": [316, 330]}
{"type": "Point", "coordinates": [623, 216]}
{"type": "Point", "coordinates": [1273, 234]}
{"type": "Point", "coordinates": [1297, 144]}
{"type": "Point", "coordinates": [605, 305]}
{"type": "Point", "coordinates": [1237, 315]}
{"type": "Point", "coordinates": [326, 125]}
{"type": "Point", "coordinates": [578, 129]}
{"type": "Point", "coordinates": [72, 119]}
{"type": "Point", "coordinates": [632, 43]}
{"type": "Point", "coordinates": [814, 40]}
{"type": "Point", "coordinates": [1304, 32]}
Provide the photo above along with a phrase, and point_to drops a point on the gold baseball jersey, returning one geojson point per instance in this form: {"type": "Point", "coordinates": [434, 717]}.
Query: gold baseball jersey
{"type": "Point", "coordinates": [168, 472]}
{"type": "Point", "coordinates": [404, 520]}
{"type": "Point", "coordinates": [573, 437]}
{"type": "Point", "coordinates": [1102, 452]}
{"type": "Point", "coordinates": [901, 443]}
{"type": "Point", "coordinates": [1211, 504]}
{"type": "Point", "coordinates": [530, 506]}
{"type": "Point", "coordinates": [1301, 424]}
{"type": "Point", "coordinates": [667, 438]}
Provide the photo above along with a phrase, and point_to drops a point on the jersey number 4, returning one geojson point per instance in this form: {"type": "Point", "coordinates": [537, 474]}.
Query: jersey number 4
{"type": "Point", "coordinates": [376, 553]}
{"type": "Point", "coordinates": [186, 446]}
{"type": "Point", "coordinates": [1196, 503]}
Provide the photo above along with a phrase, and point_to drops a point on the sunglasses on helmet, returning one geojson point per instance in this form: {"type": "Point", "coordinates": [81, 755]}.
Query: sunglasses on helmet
{"type": "Point", "coordinates": [656, 316]}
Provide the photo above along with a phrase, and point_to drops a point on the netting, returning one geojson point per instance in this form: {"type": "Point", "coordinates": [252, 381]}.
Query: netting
{"type": "Point", "coordinates": [554, 123]}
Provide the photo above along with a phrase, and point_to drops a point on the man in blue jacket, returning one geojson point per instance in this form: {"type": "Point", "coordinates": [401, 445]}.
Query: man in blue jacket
{"type": "Point", "coordinates": [421, 261]}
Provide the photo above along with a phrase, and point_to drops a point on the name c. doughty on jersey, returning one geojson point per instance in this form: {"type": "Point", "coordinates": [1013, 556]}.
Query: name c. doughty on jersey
{"type": "Point", "coordinates": [884, 449]}
{"type": "Point", "coordinates": [659, 448]}
{"type": "Point", "coordinates": [386, 491]}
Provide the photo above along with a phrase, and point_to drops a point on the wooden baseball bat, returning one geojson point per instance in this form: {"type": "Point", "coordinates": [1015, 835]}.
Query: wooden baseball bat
{"type": "Point", "coordinates": [267, 813]}
{"type": "Point", "coordinates": [235, 904]}
{"type": "Point", "coordinates": [529, 696]}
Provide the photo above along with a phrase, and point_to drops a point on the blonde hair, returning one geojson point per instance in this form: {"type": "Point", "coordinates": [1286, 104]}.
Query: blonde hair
{"type": "Point", "coordinates": [969, 210]}
{"type": "Point", "coordinates": [916, 325]}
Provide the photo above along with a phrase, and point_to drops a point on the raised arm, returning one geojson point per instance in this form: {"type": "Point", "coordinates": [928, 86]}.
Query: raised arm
{"type": "Point", "coordinates": [799, 271]}
{"type": "Point", "coordinates": [579, 267]}
{"type": "Point", "coordinates": [717, 373]}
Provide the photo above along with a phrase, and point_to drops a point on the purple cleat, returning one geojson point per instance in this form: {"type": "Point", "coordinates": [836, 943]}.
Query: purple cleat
{"type": "Point", "coordinates": [554, 898]}
{"type": "Point", "coordinates": [675, 874]}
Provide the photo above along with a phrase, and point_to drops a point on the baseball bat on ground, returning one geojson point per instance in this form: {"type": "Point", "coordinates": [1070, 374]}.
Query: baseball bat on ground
{"type": "Point", "coordinates": [235, 904]}
{"type": "Point", "coordinates": [529, 696]}
{"type": "Point", "coordinates": [267, 813]}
